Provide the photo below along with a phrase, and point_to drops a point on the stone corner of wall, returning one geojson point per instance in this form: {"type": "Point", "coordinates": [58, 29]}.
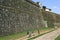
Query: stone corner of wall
{"type": "Point", "coordinates": [30, 1]}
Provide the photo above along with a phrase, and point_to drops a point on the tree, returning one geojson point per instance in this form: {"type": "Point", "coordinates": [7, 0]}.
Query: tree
{"type": "Point", "coordinates": [49, 9]}
{"type": "Point", "coordinates": [44, 7]}
{"type": "Point", "coordinates": [38, 3]}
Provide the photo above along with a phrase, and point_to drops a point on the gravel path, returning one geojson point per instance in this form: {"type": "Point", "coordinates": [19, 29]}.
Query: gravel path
{"type": "Point", "coordinates": [49, 36]}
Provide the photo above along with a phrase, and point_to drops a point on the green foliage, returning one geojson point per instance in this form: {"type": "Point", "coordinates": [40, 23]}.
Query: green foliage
{"type": "Point", "coordinates": [49, 9]}
{"type": "Point", "coordinates": [50, 24]}
{"type": "Point", "coordinates": [44, 7]}
{"type": "Point", "coordinates": [37, 2]}
{"type": "Point", "coordinates": [58, 38]}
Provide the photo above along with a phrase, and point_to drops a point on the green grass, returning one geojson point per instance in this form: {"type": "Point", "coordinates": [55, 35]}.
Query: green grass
{"type": "Point", "coordinates": [58, 38]}
{"type": "Point", "coordinates": [13, 36]}
{"type": "Point", "coordinates": [44, 28]}
{"type": "Point", "coordinates": [18, 35]}
{"type": "Point", "coordinates": [41, 34]}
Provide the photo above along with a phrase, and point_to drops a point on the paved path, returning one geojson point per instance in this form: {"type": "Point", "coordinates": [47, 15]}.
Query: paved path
{"type": "Point", "coordinates": [49, 36]}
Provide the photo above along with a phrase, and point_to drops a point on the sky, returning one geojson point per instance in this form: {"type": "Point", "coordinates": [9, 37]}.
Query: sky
{"type": "Point", "coordinates": [52, 4]}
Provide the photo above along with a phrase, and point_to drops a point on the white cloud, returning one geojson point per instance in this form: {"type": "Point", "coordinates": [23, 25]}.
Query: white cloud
{"type": "Point", "coordinates": [56, 8]}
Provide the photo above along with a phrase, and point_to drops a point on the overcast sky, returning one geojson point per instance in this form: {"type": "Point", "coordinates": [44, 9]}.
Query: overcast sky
{"type": "Point", "coordinates": [52, 4]}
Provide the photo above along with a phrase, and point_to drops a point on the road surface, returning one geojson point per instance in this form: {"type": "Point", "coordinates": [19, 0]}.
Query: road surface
{"type": "Point", "coordinates": [49, 36]}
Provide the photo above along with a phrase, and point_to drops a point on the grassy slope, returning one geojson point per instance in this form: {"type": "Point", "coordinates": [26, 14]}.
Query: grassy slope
{"type": "Point", "coordinates": [58, 38]}
{"type": "Point", "coordinates": [13, 36]}
{"type": "Point", "coordinates": [43, 29]}
{"type": "Point", "coordinates": [18, 35]}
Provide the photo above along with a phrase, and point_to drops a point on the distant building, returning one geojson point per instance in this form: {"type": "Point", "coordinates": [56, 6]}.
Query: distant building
{"type": "Point", "coordinates": [47, 9]}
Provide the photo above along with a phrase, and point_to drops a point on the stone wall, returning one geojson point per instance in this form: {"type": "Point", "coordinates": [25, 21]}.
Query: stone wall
{"type": "Point", "coordinates": [57, 18]}
{"type": "Point", "coordinates": [18, 16]}
{"type": "Point", "coordinates": [49, 17]}
{"type": "Point", "coordinates": [24, 15]}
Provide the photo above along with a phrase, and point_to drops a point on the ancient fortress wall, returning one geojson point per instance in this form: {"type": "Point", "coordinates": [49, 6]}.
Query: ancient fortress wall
{"type": "Point", "coordinates": [18, 16]}
{"type": "Point", "coordinates": [57, 18]}
{"type": "Point", "coordinates": [23, 15]}
{"type": "Point", "coordinates": [52, 18]}
{"type": "Point", "coordinates": [49, 17]}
